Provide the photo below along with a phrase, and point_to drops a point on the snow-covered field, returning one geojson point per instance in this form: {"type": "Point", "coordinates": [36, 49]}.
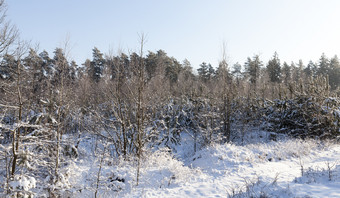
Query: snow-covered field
{"type": "Point", "coordinates": [255, 167]}
{"type": "Point", "coordinates": [284, 168]}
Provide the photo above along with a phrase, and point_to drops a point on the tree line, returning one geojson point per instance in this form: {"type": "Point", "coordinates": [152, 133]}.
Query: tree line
{"type": "Point", "coordinates": [43, 71]}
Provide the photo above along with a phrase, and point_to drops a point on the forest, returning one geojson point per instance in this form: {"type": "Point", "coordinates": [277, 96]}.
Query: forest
{"type": "Point", "coordinates": [117, 109]}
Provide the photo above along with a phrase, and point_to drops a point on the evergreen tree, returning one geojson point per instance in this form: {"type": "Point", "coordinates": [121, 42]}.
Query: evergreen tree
{"type": "Point", "coordinates": [187, 70]}
{"type": "Point", "coordinates": [72, 75]}
{"type": "Point", "coordinates": [237, 70]}
{"type": "Point", "coordinates": [172, 70]}
{"type": "Point", "coordinates": [274, 69]}
{"type": "Point", "coordinates": [47, 64]}
{"type": "Point", "coordinates": [297, 70]}
{"type": "Point", "coordinates": [134, 63]}
{"type": "Point", "coordinates": [88, 71]}
{"type": "Point", "coordinates": [186, 65]}
{"type": "Point", "coordinates": [310, 70]}
{"type": "Point", "coordinates": [97, 65]}
{"type": "Point", "coordinates": [252, 67]}
{"type": "Point", "coordinates": [8, 67]}
{"type": "Point", "coordinates": [151, 65]}
{"type": "Point", "coordinates": [334, 73]}
{"type": "Point", "coordinates": [222, 70]}
{"type": "Point", "coordinates": [286, 72]}
{"type": "Point", "coordinates": [61, 67]}
{"type": "Point", "coordinates": [211, 71]}
{"type": "Point", "coordinates": [124, 62]}
{"type": "Point", "coordinates": [34, 63]}
{"type": "Point", "coordinates": [206, 71]}
{"type": "Point", "coordinates": [323, 66]}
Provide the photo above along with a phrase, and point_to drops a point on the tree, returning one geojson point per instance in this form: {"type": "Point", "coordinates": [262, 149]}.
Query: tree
{"type": "Point", "coordinates": [118, 95]}
{"type": "Point", "coordinates": [222, 69]}
{"type": "Point", "coordinates": [16, 89]}
{"type": "Point", "coordinates": [34, 63]}
{"type": "Point", "coordinates": [133, 63]}
{"type": "Point", "coordinates": [323, 66]}
{"type": "Point", "coordinates": [72, 72]}
{"type": "Point", "coordinates": [140, 111]}
{"type": "Point", "coordinates": [151, 64]}
{"type": "Point", "coordinates": [274, 69]}
{"type": "Point", "coordinates": [297, 70]}
{"type": "Point", "coordinates": [310, 70]}
{"type": "Point", "coordinates": [172, 71]}
{"type": "Point", "coordinates": [186, 78]}
{"type": "Point", "coordinates": [61, 66]}
{"type": "Point", "coordinates": [187, 69]}
{"type": "Point", "coordinates": [225, 79]}
{"type": "Point", "coordinates": [206, 71]}
{"type": "Point", "coordinates": [8, 33]}
{"type": "Point", "coordinates": [7, 67]}
{"type": "Point", "coordinates": [96, 65]}
{"type": "Point", "coordinates": [47, 64]}
{"type": "Point", "coordinates": [252, 67]}
{"type": "Point", "coordinates": [237, 70]}
{"type": "Point", "coordinates": [211, 72]}
{"type": "Point", "coordinates": [334, 73]}
{"type": "Point", "coordinates": [286, 73]}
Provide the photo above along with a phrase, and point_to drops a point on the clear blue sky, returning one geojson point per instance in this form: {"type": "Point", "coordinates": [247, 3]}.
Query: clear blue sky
{"type": "Point", "coordinates": [192, 29]}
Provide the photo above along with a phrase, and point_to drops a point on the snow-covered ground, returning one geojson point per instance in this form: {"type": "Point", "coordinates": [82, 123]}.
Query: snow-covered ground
{"type": "Point", "coordinates": [255, 167]}
{"type": "Point", "coordinates": [284, 168]}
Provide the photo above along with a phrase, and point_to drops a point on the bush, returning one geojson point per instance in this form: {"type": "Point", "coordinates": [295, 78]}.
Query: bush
{"type": "Point", "coordinates": [304, 117]}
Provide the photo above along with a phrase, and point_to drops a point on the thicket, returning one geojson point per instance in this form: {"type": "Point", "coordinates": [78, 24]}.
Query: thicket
{"type": "Point", "coordinates": [133, 102]}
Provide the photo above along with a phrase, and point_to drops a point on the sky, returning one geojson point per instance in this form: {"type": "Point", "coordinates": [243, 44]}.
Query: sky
{"type": "Point", "coordinates": [185, 29]}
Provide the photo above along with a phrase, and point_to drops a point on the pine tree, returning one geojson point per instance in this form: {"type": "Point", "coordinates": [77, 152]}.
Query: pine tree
{"type": "Point", "coordinates": [61, 67]}
{"type": "Point", "coordinates": [310, 70]}
{"type": "Point", "coordinates": [237, 70]}
{"type": "Point", "coordinates": [187, 69]}
{"type": "Point", "coordinates": [206, 71]}
{"type": "Point", "coordinates": [286, 72]}
{"type": "Point", "coordinates": [7, 67]}
{"type": "Point", "coordinates": [334, 73]}
{"type": "Point", "coordinates": [172, 70]}
{"type": "Point", "coordinates": [203, 71]}
{"type": "Point", "coordinates": [125, 63]}
{"type": "Point", "coordinates": [97, 65]}
{"type": "Point", "coordinates": [297, 71]}
{"type": "Point", "coordinates": [72, 75]}
{"type": "Point", "coordinates": [252, 67]}
{"type": "Point", "coordinates": [151, 65]}
{"type": "Point", "coordinates": [34, 64]}
{"type": "Point", "coordinates": [47, 64]}
{"type": "Point", "coordinates": [323, 66]}
{"type": "Point", "coordinates": [274, 69]}
{"type": "Point", "coordinates": [211, 72]}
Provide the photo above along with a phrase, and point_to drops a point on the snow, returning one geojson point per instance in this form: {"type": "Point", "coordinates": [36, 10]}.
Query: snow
{"type": "Point", "coordinates": [229, 167]}
{"type": "Point", "coordinates": [23, 182]}
{"type": "Point", "coordinates": [266, 168]}
{"type": "Point", "coordinates": [252, 166]}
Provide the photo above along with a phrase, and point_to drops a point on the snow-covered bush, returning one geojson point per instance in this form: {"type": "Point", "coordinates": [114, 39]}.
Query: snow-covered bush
{"type": "Point", "coordinates": [198, 118]}
{"type": "Point", "coordinates": [255, 188]}
{"type": "Point", "coordinates": [304, 117]}
{"type": "Point", "coordinates": [327, 173]}
{"type": "Point", "coordinates": [22, 186]}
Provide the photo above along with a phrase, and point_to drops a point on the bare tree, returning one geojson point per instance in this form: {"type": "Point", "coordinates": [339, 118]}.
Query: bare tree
{"type": "Point", "coordinates": [19, 52]}
{"type": "Point", "coordinates": [140, 104]}
{"type": "Point", "coordinates": [62, 67]}
{"type": "Point", "coordinates": [8, 32]}
{"type": "Point", "coordinates": [226, 93]}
